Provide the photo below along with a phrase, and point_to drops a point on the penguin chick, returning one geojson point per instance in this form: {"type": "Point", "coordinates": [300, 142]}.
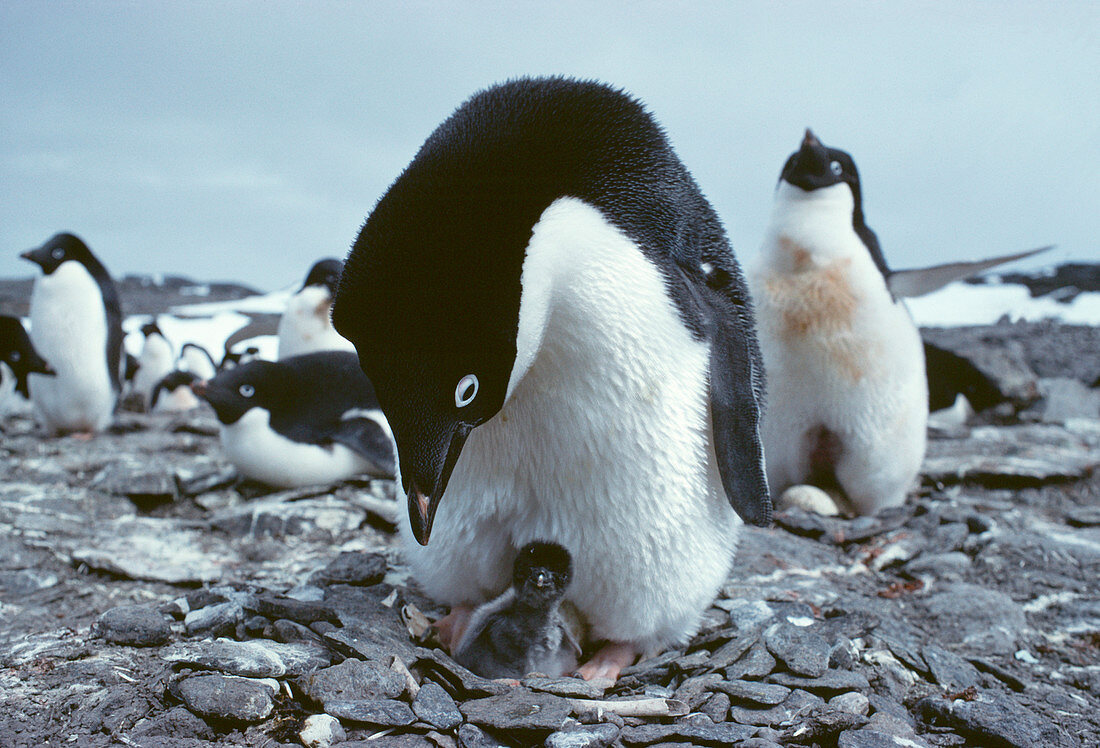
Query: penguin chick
{"type": "Point", "coordinates": [76, 325]}
{"type": "Point", "coordinates": [306, 420]}
{"type": "Point", "coordinates": [523, 631]}
{"type": "Point", "coordinates": [562, 342]}
{"type": "Point", "coordinates": [18, 359]}
{"type": "Point", "coordinates": [155, 362]}
{"type": "Point", "coordinates": [306, 325]}
{"type": "Point", "coordinates": [847, 394]}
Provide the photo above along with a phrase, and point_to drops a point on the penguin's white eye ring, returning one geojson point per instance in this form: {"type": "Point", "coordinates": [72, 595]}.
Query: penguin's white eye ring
{"type": "Point", "coordinates": [57, 253]}
{"type": "Point", "coordinates": [836, 168]}
{"type": "Point", "coordinates": [15, 356]}
{"type": "Point", "coordinates": [466, 390]}
{"type": "Point", "coordinates": [246, 390]}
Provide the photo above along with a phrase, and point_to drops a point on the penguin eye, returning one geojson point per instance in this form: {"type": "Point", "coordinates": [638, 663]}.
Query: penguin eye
{"type": "Point", "coordinates": [466, 390]}
{"type": "Point", "coordinates": [836, 168]}
{"type": "Point", "coordinates": [247, 390]}
{"type": "Point", "coordinates": [14, 356]}
{"type": "Point", "coordinates": [57, 253]}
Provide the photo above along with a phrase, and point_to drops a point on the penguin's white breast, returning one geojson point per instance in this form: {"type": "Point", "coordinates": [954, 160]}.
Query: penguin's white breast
{"type": "Point", "coordinates": [306, 325]}
{"type": "Point", "coordinates": [69, 329]}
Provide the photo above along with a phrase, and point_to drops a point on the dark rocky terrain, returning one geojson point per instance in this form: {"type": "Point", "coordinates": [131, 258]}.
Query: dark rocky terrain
{"type": "Point", "coordinates": [148, 599]}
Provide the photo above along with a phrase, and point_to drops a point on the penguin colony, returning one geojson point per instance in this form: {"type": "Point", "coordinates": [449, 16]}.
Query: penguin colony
{"type": "Point", "coordinates": [543, 333]}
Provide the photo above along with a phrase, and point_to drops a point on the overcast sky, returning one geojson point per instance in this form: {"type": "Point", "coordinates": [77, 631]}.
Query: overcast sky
{"type": "Point", "coordinates": [244, 140]}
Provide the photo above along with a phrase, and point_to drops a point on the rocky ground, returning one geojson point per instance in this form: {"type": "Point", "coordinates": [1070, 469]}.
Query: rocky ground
{"type": "Point", "coordinates": [149, 599]}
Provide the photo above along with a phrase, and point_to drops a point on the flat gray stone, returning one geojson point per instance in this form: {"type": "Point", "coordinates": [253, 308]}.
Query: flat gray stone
{"type": "Point", "coordinates": [993, 720]}
{"type": "Point", "coordinates": [377, 712]}
{"type": "Point", "coordinates": [134, 625]}
{"type": "Point", "coordinates": [434, 706]}
{"type": "Point", "coordinates": [1009, 456]}
{"type": "Point", "coordinates": [875, 739]}
{"type": "Point", "coordinates": [723, 734]}
{"type": "Point", "coordinates": [767, 694]}
{"type": "Point", "coordinates": [756, 663]}
{"type": "Point", "coordinates": [354, 567]}
{"type": "Point", "coordinates": [801, 649]}
{"type": "Point", "coordinates": [983, 618]}
{"type": "Point", "coordinates": [796, 703]}
{"type": "Point", "coordinates": [828, 684]}
{"type": "Point", "coordinates": [518, 709]}
{"type": "Point", "coordinates": [351, 681]}
{"type": "Point", "coordinates": [219, 619]}
{"type": "Point", "coordinates": [587, 736]}
{"type": "Point", "coordinates": [258, 658]}
{"type": "Point", "coordinates": [949, 670]}
{"type": "Point", "coordinates": [227, 697]}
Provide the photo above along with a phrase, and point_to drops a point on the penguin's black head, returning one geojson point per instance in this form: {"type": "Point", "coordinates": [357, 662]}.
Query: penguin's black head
{"type": "Point", "coordinates": [256, 384]}
{"type": "Point", "coordinates": [18, 353]}
{"type": "Point", "coordinates": [814, 166]}
{"type": "Point", "coordinates": [131, 366]}
{"type": "Point", "coordinates": [61, 248]}
{"type": "Point", "coordinates": [541, 572]}
{"type": "Point", "coordinates": [325, 273]}
{"type": "Point", "coordinates": [430, 293]}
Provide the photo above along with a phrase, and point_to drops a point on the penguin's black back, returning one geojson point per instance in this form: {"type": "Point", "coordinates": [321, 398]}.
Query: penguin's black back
{"type": "Point", "coordinates": [465, 206]}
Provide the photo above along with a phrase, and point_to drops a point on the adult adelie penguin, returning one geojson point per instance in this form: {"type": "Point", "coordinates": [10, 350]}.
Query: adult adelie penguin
{"type": "Point", "coordinates": [562, 342]}
{"type": "Point", "coordinates": [847, 392]}
{"type": "Point", "coordinates": [76, 325]}
{"type": "Point", "coordinates": [306, 325]}
{"type": "Point", "coordinates": [302, 421]}
{"type": "Point", "coordinates": [157, 360]}
{"type": "Point", "coordinates": [18, 359]}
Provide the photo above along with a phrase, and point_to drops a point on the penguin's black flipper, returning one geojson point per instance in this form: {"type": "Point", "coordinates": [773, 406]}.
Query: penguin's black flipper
{"type": "Point", "coordinates": [366, 438]}
{"type": "Point", "coordinates": [736, 393]}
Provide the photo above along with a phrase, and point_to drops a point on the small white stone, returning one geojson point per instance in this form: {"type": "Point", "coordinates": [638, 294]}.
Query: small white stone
{"type": "Point", "coordinates": [1024, 656]}
{"type": "Point", "coordinates": [321, 731]}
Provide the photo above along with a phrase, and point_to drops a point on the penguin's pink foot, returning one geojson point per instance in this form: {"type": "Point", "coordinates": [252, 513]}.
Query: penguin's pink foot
{"type": "Point", "coordinates": [449, 628]}
{"type": "Point", "coordinates": [608, 662]}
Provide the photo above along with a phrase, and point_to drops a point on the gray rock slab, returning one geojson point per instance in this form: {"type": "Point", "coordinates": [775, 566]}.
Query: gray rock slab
{"type": "Point", "coordinates": [316, 519]}
{"type": "Point", "coordinates": [300, 611]}
{"type": "Point", "coordinates": [949, 670]}
{"type": "Point", "coordinates": [434, 706]}
{"type": "Point", "coordinates": [876, 739]}
{"type": "Point", "coordinates": [587, 736]}
{"type": "Point", "coordinates": [756, 663]}
{"type": "Point", "coordinates": [574, 688]}
{"type": "Point", "coordinates": [257, 658]}
{"type": "Point", "coordinates": [351, 681]}
{"type": "Point", "coordinates": [828, 684]}
{"type": "Point", "coordinates": [227, 697]}
{"type": "Point", "coordinates": [354, 567]}
{"type": "Point", "coordinates": [518, 709]}
{"type": "Point", "coordinates": [1030, 454]}
{"type": "Point", "coordinates": [472, 736]}
{"type": "Point", "coordinates": [134, 625]}
{"type": "Point", "coordinates": [723, 734]}
{"type": "Point", "coordinates": [994, 720]}
{"type": "Point", "coordinates": [218, 619]}
{"type": "Point", "coordinates": [767, 694]}
{"type": "Point", "coordinates": [798, 702]}
{"type": "Point", "coordinates": [801, 649]}
{"type": "Point", "coordinates": [376, 712]}
{"type": "Point", "coordinates": [977, 616]}
{"type": "Point", "coordinates": [156, 550]}
{"type": "Point", "coordinates": [178, 722]}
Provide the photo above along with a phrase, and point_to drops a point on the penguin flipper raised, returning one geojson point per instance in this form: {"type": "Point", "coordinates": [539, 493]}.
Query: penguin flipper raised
{"type": "Point", "coordinates": [921, 281]}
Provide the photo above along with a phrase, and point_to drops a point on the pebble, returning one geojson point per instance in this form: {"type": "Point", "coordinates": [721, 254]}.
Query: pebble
{"type": "Point", "coordinates": [288, 631]}
{"type": "Point", "coordinates": [518, 709]}
{"type": "Point", "coordinates": [756, 663]}
{"type": "Point", "coordinates": [178, 723]}
{"type": "Point", "coordinates": [213, 620]}
{"type": "Point", "coordinates": [726, 733]}
{"type": "Point", "coordinates": [321, 731]}
{"type": "Point", "coordinates": [377, 712]}
{"type": "Point", "coordinates": [776, 715]}
{"type": "Point", "coordinates": [717, 707]}
{"type": "Point", "coordinates": [875, 739]}
{"type": "Point", "coordinates": [352, 681]}
{"type": "Point", "coordinates": [472, 736]}
{"type": "Point", "coordinates": [803, 651]}
{"type": "Point", "coordinates": [227, 697]}
{"type": "Point", "coordinates": [587, 736]}
{"type": "Point", "coordinates": [134, 626]}
{"type": "Point", "coordinates": [828, 684]}
{"type": "Point", "coordinates": [298, 611]}
{"type": "Point", "coordinates": [767, 694]}
{"type": "Point", "coordinates": [977, 616]}
{"type": "Point", "coordinates": [994, 719]}
{"type": "Point", "coordinates": [354, 567]}
{"type": "Point", "coordinates": [257, 658]}
{"type": "Point", "coordinates": [949, 670]}
{"type": "Point", "coordinates": [852, 701]}
{"type": "Point", "coordinates": [434, 706]}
